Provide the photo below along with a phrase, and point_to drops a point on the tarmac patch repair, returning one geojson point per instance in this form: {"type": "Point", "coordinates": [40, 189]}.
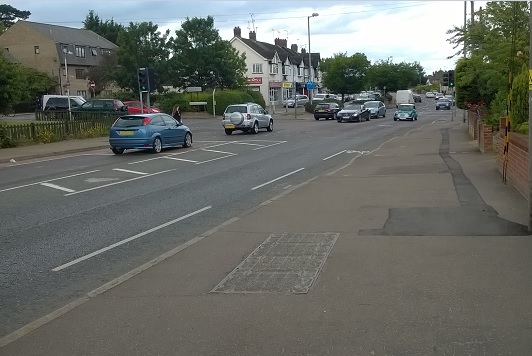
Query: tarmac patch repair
{"type": "Point", "coordinates": [284, 263]}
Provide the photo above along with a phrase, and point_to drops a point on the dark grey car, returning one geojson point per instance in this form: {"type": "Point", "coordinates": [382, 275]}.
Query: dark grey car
{"type": "Point", "coordinates": [353, 112]}
{"type": "Point", "coordinates": [443, 103]}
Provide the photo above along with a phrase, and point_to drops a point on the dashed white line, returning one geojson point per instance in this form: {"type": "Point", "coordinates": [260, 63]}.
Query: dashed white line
{"type": "Point", "coordinates": [49, 180]}
{"type": "Point", "coordinates": [110, 247]}
{"type": "Point", "coordinates": [336, 154]}
{"type": "Point", "coordinates": [278, 178]}
{"type": "Point", "coordinates": [247, 143]}
{"type": "Point", "coordinates": [180, 159]}
{"type": "Point", "coordinates": [225, 153]}
{"type": "Point", "coordinates": [128, 171]}
{"type": "Point", "coordinates": [55, 186]}
{"type": "Point", "coordinates": [120, 182]}
{"type": "Point", "coordinates": [217, 158]}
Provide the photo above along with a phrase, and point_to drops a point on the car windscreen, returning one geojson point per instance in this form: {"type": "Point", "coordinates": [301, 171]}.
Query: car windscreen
{"type": "Point", "coordinates": [352, 107]}
{"type": "Point", "coordinates": [372, 104]}
{"type": "Point", "coordinates": [405, 107]}
{"type": "Point", "coordinates": [322, 106]}
{"type": "Point", "coordinates": [241, 109]}
{"type": "Point", "coordinates": [129, 121]}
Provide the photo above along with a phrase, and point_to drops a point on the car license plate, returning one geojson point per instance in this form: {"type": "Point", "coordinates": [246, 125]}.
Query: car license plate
{"type": "Point", "coordinates": [227, 126]}
{"type": "Point", "coordinates": [321, 110]}
{"type": "Point", "coordinates": [126, 133]}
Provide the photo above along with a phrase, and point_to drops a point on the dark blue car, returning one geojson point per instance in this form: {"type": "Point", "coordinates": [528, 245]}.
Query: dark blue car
{"type": "Point", "coordinates": [148, 131]}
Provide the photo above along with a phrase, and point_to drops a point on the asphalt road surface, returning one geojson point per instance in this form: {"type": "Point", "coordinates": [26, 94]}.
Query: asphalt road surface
{"type": "Point", "coordinates": [73, 223]}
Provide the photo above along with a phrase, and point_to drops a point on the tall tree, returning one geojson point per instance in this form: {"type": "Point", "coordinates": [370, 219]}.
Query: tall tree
{"type": "Point", "coordinates": [141, 45]}
{"type": "Point", "coordinates": [346, 75]}
{"type": "Point", "coordinates": [105, 72]}
{"type": "Point", "coordinates": [9, 15]}
{"type": "Point", "coordinates": [108, 29]}
{"type": "Point", "coordinates": [201, 58]}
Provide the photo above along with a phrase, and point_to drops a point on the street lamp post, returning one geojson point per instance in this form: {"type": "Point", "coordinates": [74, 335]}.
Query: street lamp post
{"type": "Point", "coordinates": [309, 57]}
{"type": "Point", "coordinates": [67, 82]}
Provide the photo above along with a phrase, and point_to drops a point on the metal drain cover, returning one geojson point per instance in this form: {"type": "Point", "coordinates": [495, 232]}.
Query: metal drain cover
{"type": "Point", "coordinates": [284, 263]}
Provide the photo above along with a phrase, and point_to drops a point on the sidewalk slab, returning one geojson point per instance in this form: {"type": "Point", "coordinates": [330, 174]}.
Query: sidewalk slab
{"type": "Point", "coordinates": [375, 295]}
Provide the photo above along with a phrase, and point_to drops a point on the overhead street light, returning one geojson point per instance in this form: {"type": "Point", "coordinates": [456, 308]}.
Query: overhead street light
{"type": "Point", "coordinates": [309, 57]}
{"type": "Point", "coordinates": [67, 83]}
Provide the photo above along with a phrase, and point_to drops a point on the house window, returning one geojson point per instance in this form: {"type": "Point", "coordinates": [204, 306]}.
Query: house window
{"type": "Point", "coordinates": [274, 69]}
{"type": "Point", "coordinates": [82, 93]}
{"type": "Point", "coordinates": [287, 70]}
{"type": "Point", "coordinates": [80, 51]}
{"type": "Point", "coordinates": [65, 49]}
{"type": "Point", "coordinates": [257, 68]}
{"type": "Point", "coordinates": [80, 74]}
{"type": "Point", "coordinates": [36, 49]}
{"type": "Point", "coordinates": [94, 51]}
{"type": "Point", "coordinates": [106, 51]}
{"type": "Point", "coordinates": [299, 71]}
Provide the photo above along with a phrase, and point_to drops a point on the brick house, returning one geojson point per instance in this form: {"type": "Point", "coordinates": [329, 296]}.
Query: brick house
{"type": "Point", "coordinates": [48, 48]}
{"type": "Point", "coordinates": [273, 69]}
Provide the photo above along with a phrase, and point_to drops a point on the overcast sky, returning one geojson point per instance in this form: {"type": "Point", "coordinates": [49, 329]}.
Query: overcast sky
{"type": "Point", "coordinates": [409, 31]}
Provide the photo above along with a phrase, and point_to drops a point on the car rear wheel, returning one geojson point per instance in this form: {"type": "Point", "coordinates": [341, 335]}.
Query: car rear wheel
{"type": "Point", "coordinates": [255, 128]}
{"type": "Point", "coordinates": [117, 151]}
{"type": "Point", "coordinates": [228, 131]}
{"type": "Point", "coordinates": [188, 140]}
{"type": "Point", "coordinates": [157, 145]}
{"type": "Point", "coordinates": [339, 120]}
{"type": "Point", "coordinates": [270, 126]}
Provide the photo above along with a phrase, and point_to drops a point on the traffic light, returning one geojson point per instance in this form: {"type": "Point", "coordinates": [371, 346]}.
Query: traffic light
{"type": "Point", "coordinates": [143, 80]}
{"type": "Point", "coordinates": [451, 78]}
{"type": "Point", "coordinates": [445, 81]}
{"type": "Point", "coordinates": [151, 80]}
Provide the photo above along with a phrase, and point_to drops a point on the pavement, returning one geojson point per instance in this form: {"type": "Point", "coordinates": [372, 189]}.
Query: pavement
{"type": "Point", "coordinates": [415, 248]}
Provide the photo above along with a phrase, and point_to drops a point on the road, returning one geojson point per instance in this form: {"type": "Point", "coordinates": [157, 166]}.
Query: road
{"type": "Point", "coordinates": [73, 223]}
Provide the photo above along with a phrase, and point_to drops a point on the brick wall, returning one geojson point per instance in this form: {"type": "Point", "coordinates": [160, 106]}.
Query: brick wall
{"type": "Point", "coordinates": [485, 138]}
{"type": "Point", "coordinates": [517, 160]}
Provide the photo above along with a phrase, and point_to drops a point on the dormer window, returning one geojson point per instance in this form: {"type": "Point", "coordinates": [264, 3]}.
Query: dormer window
{"type": "Point", "coordinates": [80, 51]}
{"type": "Point", "coordinates": [94, 52]}
{"type": "Point", "coordinates": [274, 68]}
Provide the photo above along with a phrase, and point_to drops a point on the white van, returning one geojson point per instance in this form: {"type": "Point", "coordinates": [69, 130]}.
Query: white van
{"type": "Point", "coordinates": [404, 97]}
{"type": "Point", "coordinates": [60, 102]}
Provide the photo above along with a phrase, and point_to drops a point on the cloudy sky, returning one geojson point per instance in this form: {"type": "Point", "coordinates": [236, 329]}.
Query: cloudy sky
{"type": "Point", "coordinates": [409, 31]}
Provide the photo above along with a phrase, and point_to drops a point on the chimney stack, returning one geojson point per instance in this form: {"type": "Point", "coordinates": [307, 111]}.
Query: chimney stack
{"type": "Point", "coordinates": [293, 47]}
{"type": "Point", "coordinates": [278, 42]}
{"type": "Point", "coordinates": [303, 50]}
{"type": "Point", "coordinates": [252, 35]}
{"type": "Point", "coordinates": [237, 32]}
{"type": "Point", "coordinates": [284, 43]}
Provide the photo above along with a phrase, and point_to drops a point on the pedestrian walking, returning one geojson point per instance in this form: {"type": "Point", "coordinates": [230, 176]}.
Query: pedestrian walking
{"type": "Point", "coordinates": [176, 114]}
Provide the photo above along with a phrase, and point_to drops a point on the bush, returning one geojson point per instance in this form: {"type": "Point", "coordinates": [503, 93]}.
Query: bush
{"type": "Point", "coordinates": [5, 139]}
{"type": "Point", "coordinates": [310, 107]}
{"type": "Point", "coordinates": [522, 128]}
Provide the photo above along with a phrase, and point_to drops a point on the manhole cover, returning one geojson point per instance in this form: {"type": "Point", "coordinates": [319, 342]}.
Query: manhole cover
{"type": "Point", "coordinates": [284, 263]}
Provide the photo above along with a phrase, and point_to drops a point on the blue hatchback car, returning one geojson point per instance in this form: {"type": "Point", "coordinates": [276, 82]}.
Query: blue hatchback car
{"type": "Point", "coordinates": [148, 131]}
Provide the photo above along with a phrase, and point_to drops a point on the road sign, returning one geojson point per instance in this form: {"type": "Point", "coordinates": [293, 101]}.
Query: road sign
{"type": "Point", "coordinates": [92, 85]}
{"type": "Point", "coordinates": [310, 85]}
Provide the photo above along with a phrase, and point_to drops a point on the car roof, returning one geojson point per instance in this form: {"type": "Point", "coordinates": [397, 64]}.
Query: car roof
{"type": "Point", "coordinates": [142, 115]}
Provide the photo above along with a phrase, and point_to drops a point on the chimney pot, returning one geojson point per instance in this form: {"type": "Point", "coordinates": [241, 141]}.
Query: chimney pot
{"type": "Point", "coordinates": [237, 31]}
{"type": "Point", "coordinates": [252, 35]}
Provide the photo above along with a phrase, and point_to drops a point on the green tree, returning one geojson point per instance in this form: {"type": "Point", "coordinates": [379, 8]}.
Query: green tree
{"type": "Point", "coordinates": [395, 76]}
{"type": "Point", "coordinates": [11, 90]}
{"type": "Point", "coordinates": [201, 58]}
{"type": "Point", "coordinates": [346, 75]}
{"type": "Point", "coordinates": [9, 15]}
{"type": "Point", "coordinates": [141, 45]}
{"type": "Point", "coordinates": [108, 29]}
{"type": "Point", "coordinates": [105, 72]}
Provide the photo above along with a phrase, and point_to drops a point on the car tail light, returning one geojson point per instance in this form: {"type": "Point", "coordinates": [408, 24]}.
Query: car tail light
{"type": "Point", "coordinates": [146, 121]}
{"type": "Point", "coordinates": [329, 110]}
{"type": "Point", "coordinates": [248, 116]}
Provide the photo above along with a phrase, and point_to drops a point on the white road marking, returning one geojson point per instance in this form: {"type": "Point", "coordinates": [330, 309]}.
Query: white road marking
{"type": "Point", "coordinates": [278, 178]}
{"type": "Point", "coordinates": [225, 153]}
{"type": "Point", "coordinates": [99, 180]}
{"type": "Point", "coordinates": [247, 143]}
{"type": "Point", "coordinates": [110, 247]}
{"type": "Point", "coordinates": [180, 159]}
{"type": "Point", "coordinates": [55, 186]}
{"type": "Point", "coordinates": [274, 144]}
{"type": "Point", "coordinates": [336, 154]}
{"type": "Point", "coordinates": [128, 171]}
{"type": "Point", "coordinates": [145, 160]}
{"type": "Point", "coordinates": [122, 181]}
{"type": "Point", "coordinates": [49, 180]}
{"type": "Point", "coordinates": [215, 159]}
{"type": "Point", "coordinates": [56, 158]}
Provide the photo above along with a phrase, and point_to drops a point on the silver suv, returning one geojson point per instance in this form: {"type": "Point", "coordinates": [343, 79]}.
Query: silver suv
{"type": "Point", "coordinates": [248, 117]}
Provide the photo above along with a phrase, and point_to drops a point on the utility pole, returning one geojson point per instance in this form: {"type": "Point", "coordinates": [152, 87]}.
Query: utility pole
{"type": "Point", "coordinates": [530, 131]}
{"type": "Point", "coordinates": [465, 49]}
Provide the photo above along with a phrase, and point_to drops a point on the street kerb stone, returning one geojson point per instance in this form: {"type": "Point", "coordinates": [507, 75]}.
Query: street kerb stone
{"type": "Point", "coordinates": [283, 263]}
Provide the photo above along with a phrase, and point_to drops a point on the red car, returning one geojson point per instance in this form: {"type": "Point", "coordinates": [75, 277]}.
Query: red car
{"type": "Point", "coordinates": [133, 107]}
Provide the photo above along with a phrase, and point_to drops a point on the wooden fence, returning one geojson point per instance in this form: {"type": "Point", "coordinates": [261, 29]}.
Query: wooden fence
{"type": "Point", "coordinates": [61, 127]}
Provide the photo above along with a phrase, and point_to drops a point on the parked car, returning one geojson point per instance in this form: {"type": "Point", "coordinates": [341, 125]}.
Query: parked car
{"type": "Point", "coordinates": [60, 102]}
{"type": "Point", "coordinates": [149, 132]}
{"type": "Point", "coordinates": [103, 105]}
{"type": "Point", "coordinates": [326, 110]}
{"type": "Point", "coordinates": [443, 103]}
{"type": "Point", "coordinates": [321, 96]}
{"type": "Point", "coordinates": [417, 98]}
{"type": "Point", "coordinates": [291, 102]}
{"type": "Point", "coordinates": [353, 112]}
{"type": "Point", "coordinates": [248, 117]}
{"type": "Point", "coordinates": [405, 112]}
{"type": "Point", "coordinates": [376, 108]}
{"type": "Point", "coordinates": [134, 107]}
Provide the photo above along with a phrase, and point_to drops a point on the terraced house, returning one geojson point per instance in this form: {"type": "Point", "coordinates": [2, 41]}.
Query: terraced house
{"type": "Point", "coordinates": [63, 52]}
{"type": "Point", "coordinates": [274, 69]}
